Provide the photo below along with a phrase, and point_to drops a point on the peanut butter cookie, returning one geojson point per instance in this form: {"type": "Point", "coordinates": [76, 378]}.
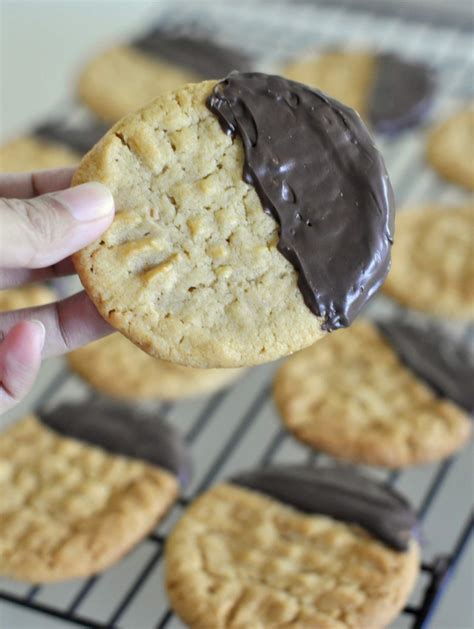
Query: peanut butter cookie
{"type": "Point", "coordinates": [71, 508]}
{"type": "Point", "coordinates": [450, 148]}
{"type": "Point", "coordinates": [352, 396]}
{"type": "Point", "coordinates": [292, 547]}
{"type": "Point", "coordinates": [432, 265]}
{"type": "Point", "coordinates": [115, 366]}
{"type": "Point", "coordinates": [224, 251]}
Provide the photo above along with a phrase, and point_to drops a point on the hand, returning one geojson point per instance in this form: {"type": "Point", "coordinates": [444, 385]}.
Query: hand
{"type": "Point", "coordinates": [42, 222]}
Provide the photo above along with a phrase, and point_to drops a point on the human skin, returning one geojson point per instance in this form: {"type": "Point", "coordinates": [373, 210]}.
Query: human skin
{"type": "Point", "coordinates": [42, 222]}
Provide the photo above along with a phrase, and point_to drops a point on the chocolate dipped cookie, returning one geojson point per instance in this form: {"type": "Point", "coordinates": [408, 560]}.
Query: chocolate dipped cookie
{"type": "Point", "coordinates": [293, 546]}
{"type": "Point", "coordinates": [392, 395]}
{"type": "Point", "coordinates": [80, 486]}
{"type": "Point", "coordinates": [124, 78]}
{"type": "Point", "coordinates": [235, 242]}
{"type": "Point", "coordinates": [390, 93]}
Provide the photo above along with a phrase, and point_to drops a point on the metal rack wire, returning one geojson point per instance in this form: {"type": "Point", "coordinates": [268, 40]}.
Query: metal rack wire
{"type": "Point", "coordinates": [237, 428]}
{"type": "Point", "coordinates": [437, 570]}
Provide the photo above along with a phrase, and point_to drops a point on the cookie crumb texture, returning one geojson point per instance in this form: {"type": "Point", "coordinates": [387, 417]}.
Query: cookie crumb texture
{"type": "Point", "coordinates": [116, 367]}
{"type": "Point", "coordinates": [450, 148]}
{"type": "Point", "coordinates": [189, 269]}
{"type": "Point", "coordinates": [362, 404]}
{"type": "Point", "coordinates": [68, 509]}
{"type": "Point", "coordinates": [432, 267]}
{"type": "Point", "coordinates": [240, 560]}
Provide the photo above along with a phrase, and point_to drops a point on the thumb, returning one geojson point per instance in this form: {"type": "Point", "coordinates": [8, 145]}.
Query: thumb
{"type": "Point", "coordinates": [38, 232]}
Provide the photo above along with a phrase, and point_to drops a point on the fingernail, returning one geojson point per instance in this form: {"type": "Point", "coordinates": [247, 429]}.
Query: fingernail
{"type": "Point", "coordinates": [87, 202]}
{"type": "Point", "coordinates": [41, 332]}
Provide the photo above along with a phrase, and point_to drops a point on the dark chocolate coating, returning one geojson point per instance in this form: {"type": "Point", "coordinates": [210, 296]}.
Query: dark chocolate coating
{"type": "Point", "coordinates": [317, 172]}
{"type": "Point", "coordinates": [443, 364]}
{"type": "Point", "coordinates": [340, 493]}
{"type": "Point", "coordinates": [401, 94]}
{"type": "Point", "coordinates": [122, 430]}
{"type": "Point", "coordinates": [195, 53]}
{"type": "Point", "coordinates": [80, 138]}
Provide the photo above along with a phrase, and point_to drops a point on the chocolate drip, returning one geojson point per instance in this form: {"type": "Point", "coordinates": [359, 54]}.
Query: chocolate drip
{"type": "Point", "coordinates": [198, 54]}
{"type": "Point", "coordinates": [120, 430]}
{"type": "Point", "coordinates": [317, 172]}
{"type": "Point", "coordinates": [401, 94]}
{"type": "Point", "coordinates": [441, 363]}
{"type": "Point", "coordinates": [338, 492]}
{"type": "Point", "coordinates": [79, 138]}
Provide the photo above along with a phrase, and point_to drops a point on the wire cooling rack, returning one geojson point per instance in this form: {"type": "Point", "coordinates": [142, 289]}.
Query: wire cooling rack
{"type": "Point", "coordinates": [237, 428]}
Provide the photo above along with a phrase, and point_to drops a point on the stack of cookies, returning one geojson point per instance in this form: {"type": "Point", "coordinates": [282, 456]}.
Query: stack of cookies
{"type": "Point", "coordinates": [254, 221]}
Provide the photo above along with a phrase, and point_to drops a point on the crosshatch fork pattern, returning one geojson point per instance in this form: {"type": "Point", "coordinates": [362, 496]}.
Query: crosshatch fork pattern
{"type": "Point", "coordinates": [241, 419]}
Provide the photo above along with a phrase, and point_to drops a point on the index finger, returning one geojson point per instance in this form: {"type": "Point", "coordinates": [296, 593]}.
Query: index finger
{"type": "Point", "coordinates": [28, 185]}
{"type": "Point", "coordinates": [69, 323]}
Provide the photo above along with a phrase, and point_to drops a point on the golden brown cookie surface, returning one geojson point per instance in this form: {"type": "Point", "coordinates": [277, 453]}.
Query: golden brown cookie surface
{"type": "Point", "coordinates": [69, 509]}
{"type": "Point", "coordinates": [352, 397]}
{"type": "Point", "coordinates": [113, 365]}
{"type": "Point", "coordinates": [391, 93]}
{"type": "Point", "coordinates": [238, 559]}
{"type": "Point", "coordinates": [432, 268]}
{"type": "Point", "coordinates": [26, 297]}
{"type": "Point", "coordinates": [122, 79]}
{"type": "Point", "coordinates": [28, 153]}
{"type": "Point", "coordinates": [189, 269]}
{"type": "Point", "coordinates": [347, 76]}
{"type": "Point", "coordinates": [450, 148]}
{"type": "Point", "coordinates": [126, 77]}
